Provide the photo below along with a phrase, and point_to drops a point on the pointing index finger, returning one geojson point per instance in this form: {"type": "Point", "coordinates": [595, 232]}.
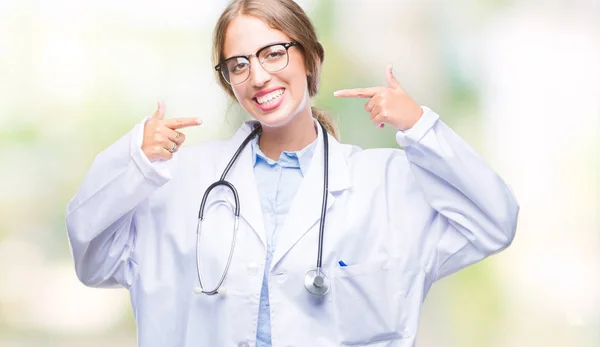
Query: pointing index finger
{"type": "Point", "coordinates": [178, 123]}
{"type": "Point", "coordinates": [357, 92]}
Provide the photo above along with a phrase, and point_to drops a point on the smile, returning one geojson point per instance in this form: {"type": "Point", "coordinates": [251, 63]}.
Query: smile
{"type": "Point", "coordinates": [271, 100]}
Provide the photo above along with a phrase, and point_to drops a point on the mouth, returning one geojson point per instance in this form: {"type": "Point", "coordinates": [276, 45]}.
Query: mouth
{"type": "Point", "coordinates": [269, 101]}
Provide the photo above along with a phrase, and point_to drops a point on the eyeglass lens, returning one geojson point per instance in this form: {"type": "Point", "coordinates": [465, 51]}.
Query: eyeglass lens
{"type": "Point", "coordinates": [237, 70]}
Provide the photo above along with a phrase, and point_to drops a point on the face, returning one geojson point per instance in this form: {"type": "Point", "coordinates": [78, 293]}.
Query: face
{"type": "Point", "coordinates": [272, 98]}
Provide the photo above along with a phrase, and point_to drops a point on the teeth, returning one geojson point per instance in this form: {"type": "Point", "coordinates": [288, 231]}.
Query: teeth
{"type": "Point", "coordinates": [271, 96]}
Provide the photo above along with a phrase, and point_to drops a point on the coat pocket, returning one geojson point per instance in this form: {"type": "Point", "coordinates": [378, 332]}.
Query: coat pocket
{"type": "Point", "coordinates": [370, 302]}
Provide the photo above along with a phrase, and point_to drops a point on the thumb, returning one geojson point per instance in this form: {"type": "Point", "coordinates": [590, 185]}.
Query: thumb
{"type": "Point", "coordinates": [391, 80]}
{"type": "Point", "coordinates": [160, 112]}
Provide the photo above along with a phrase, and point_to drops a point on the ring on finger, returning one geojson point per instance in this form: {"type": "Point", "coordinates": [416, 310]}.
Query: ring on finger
{"type": "Point", "coordinates": [176, 138]}
{"type": "Point", "coordinates": [174, 148]}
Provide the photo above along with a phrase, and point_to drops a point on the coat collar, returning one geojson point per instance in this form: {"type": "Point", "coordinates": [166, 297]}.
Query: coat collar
{"type": "Point", "coordinates": [298, 159]}
{"type": "Point", "coordinates": [305, 211]}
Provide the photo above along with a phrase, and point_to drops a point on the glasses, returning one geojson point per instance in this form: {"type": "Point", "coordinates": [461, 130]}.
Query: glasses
{"type": "Point", "coordinates": [272, 58]}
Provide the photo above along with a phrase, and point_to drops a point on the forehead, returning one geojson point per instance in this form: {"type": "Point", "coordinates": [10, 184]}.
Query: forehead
{"type": "Point", "coordinates": [246, 34]}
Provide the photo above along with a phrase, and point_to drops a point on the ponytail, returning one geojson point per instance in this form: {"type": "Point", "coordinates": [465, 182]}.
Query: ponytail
{"type": "Point", "coordinates": [323, 118]}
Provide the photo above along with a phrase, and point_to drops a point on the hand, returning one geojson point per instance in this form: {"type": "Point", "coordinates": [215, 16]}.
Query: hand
{"type": "Point", "coordinates": [161, 139]}
{"type": "Point", "coordinates": [391, 105]}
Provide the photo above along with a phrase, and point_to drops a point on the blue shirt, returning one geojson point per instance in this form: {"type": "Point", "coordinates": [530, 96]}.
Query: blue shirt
{"type": "Point", "coordinates": [277, 183]}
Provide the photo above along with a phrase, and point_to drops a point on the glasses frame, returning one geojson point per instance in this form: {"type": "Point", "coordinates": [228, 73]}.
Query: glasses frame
{"type": "Point", "coordinates": [286, 45]}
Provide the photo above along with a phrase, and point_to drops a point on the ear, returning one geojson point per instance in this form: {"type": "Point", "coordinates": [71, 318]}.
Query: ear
{"type": "Point", "coordinates": [318, 62]}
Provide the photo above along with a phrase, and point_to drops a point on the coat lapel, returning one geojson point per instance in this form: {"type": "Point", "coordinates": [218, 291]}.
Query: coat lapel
{"type": "Point", "coordinates": [242, 177]}
{"type": "Point", "coordinates": [305, 211]}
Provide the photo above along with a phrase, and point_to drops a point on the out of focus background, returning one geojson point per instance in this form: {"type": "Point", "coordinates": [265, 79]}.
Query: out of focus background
{"type": "Point", "coordinates": [519, 80]}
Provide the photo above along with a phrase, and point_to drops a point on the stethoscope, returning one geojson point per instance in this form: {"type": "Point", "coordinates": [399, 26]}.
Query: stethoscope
{"type": "Point", "coordinates": [315, 281]}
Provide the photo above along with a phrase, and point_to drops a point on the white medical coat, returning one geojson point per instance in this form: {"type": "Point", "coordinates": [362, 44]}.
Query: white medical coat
{"type": "Point", "coordinates": [399, 219]}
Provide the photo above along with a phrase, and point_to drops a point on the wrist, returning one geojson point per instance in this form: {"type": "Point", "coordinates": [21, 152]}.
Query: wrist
{"type": "Point", "coordinates": [412, 118]}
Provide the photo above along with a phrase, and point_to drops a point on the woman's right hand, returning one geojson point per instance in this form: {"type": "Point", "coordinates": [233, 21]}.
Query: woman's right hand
{"type": "Point", "coordinates": [161, 138]}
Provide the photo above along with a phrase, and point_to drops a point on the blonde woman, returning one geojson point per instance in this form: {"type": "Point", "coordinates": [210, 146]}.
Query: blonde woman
{"type": "Point", "coordinates": [281, 235]}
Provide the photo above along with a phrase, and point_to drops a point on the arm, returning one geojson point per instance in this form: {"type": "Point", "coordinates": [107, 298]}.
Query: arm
{"type": "Point", "coordinates": [99, 218]}
{"type": "Point", "coordinates": [475, 213]}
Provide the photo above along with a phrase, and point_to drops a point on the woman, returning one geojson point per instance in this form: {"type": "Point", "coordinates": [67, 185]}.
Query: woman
{"type": "Point", "coordinates": [335, 245]}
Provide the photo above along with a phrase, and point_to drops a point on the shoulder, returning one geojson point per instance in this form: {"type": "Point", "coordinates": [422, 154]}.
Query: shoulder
{"type": "Point", "coordinates": [378, 176]}
{"type": "Point", "coordinates": [370, 170]}
{"type": "Point", "coordinates": [213, 152]}
{"type": "Point", "coordinates": [205, 150]}
{"type": "Point", "coordinates": [219, 148]}
{"type": "Point", "coordinates": [373, 159]}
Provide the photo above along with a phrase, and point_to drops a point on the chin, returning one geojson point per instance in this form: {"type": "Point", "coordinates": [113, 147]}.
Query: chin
{"type": "Point", "coordinates": [277, 117]}
{"type": "Point", "coordinates": [274, 120]}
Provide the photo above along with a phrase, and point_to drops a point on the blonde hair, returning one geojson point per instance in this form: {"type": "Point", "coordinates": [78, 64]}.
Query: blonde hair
{"type": "Point", "coordinates": [289, 18]}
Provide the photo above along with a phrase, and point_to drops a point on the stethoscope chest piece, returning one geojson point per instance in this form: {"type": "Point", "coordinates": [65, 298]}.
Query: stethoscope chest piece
{"type": "Point", "coordinates": [316, 282]}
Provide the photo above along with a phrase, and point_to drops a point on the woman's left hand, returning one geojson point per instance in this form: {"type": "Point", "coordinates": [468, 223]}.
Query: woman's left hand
{"type": "Point", "coordinates": [390, 105]}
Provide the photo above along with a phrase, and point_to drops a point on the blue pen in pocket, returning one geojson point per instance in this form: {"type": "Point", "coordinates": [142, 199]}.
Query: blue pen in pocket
{"type": "Point", "coordinates": [342, 263]}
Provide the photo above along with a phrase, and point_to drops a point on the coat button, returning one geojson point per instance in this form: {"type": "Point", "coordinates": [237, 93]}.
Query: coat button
{"type": "Point", "coordinates": [243, 344]}
{"type": "Point", "coordinates": [252, 268]}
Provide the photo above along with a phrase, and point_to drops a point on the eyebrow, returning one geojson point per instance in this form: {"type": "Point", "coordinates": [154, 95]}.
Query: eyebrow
{"type": "Point", "coordinates": [246, 55]}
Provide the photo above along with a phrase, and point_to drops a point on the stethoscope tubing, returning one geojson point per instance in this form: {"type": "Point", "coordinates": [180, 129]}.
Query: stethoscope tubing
{"type": "Point", "coordinates": [321, 290]}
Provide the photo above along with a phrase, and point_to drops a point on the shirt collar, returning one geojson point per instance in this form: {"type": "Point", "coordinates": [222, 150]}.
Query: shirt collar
{"type": "Point", "coordinates": [298, 159]}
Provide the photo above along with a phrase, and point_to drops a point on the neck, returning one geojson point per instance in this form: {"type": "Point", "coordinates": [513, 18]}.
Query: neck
{"type": "Point", "coordinates": [294, 136]}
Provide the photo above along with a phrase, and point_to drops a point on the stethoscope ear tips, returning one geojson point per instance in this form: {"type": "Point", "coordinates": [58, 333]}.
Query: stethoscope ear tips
{"type": "Point", "coordinates": [198, 290]}
{"type": "Point", "coordinates": [222, 291]}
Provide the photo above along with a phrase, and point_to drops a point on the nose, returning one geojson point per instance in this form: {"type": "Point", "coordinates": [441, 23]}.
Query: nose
{"type": "Point", "coordinates": [258, 75]}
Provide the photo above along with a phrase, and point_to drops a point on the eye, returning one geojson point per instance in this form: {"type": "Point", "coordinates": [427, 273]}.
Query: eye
{"type": "Point", "coordinates": [275, 54]}
{"type": "Point", "coordinates": [237, 65]}
{"type": "Point", "coordinates": [238, 68]}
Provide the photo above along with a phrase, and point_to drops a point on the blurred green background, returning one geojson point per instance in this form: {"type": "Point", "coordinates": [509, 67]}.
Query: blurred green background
{"type": "Point", "coordinates": [519, 80]}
